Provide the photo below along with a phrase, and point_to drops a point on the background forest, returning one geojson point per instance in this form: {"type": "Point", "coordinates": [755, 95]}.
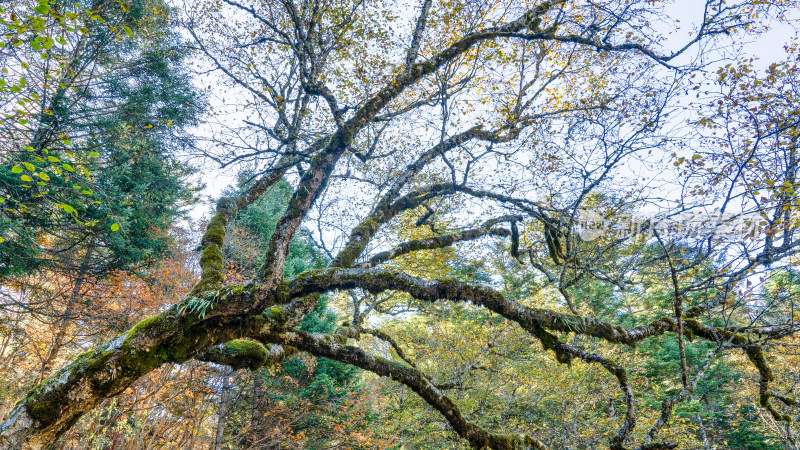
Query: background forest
{"type": "Point", "coordinates": [361, 155]}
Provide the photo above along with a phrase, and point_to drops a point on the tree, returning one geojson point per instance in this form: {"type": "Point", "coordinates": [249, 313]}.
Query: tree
{"type": "Point", "coordinates": [125, 102]}
{"type": "Point", "coordinates": [486, 119]}
{"type": "Point", "coordinates": [96, 117]}
{"type": "Point", "coordinates": [108, 185]}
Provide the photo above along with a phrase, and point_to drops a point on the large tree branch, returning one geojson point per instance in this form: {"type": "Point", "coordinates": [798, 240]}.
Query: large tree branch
{"type": "Point", "coordinates": [437, 242]}
{"type": "Point", "coordinates": [332, 347]}
{"type": "Point", "coordinates": [245, 354]}
{"type": "Point", "coordinates": [531, 319]}
{"type": "Point", "coordinates": [172, 336]}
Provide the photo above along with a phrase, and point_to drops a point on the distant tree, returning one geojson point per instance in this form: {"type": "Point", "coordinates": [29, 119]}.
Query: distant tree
{"type": "Point", "coordinates": [90, 181]}
{"type": "Point", "coordinates": [89, 138]}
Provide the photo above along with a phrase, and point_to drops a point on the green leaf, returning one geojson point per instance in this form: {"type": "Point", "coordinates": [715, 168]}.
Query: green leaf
{"type": "Point", "coordinates": [128, 31]}
{"type": "Point", "coordinates": [67, 167]}
{"type": "Point", "coordinates": [29, 166]}
{"type": "Point", "coordinates": [85, 192]}
{"type": "Point", "coordinates": [94, 154]}
{"type": "Point", "coordinates": [23, 82]}
{"type": "Point", "coordinates": [68, 209]}
{"type": "Point", "coordinates": [42, 9]}
{"type": "Point", "coordinates": [114, 227]}
{"type": "Point", "coordinates": [53, 159]}
{"type": "Point", "coordinates": [16, 169]}
{"type": "Point", "coordinates": [44, 176]}
{"type": "Point", "coordinates": [26, 178]}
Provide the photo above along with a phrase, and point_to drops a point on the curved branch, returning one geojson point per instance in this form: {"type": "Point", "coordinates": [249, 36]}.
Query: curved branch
{"type": "Point", "coordinates": [436, 242]}
{"type": "Point", "coordinates": [242, 353]}
{"type": "Point", "coordinates": [58, 402]}
{"type": "Point", "coordinates": [531, 319]}
{"type": "Point", "coordinates": [327, 346]}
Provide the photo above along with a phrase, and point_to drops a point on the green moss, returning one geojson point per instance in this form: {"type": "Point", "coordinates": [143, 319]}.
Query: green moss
{"type": "Point", "coordinates": [340, 335]}
{"type": "Point", "coordinates": [46, 408]}
{"type": "Point", "coordinates": [215, 233]}
{"type": "Point", "coordinates": [550, 342]}
{"type": "Point", "coordinates": [399, 366]}
{"type": "Point", "coordinates": [448, 288]}
{"type": "Point", "coordinates": [236, 289]}
{"type": "Point", "coordinates": [359, 238]}
{"type": "Point", "coordinates": [211, 258]}
{"type": "Point", "coordinates": [275, 316]}
{"type": "Point", "coordinates": [144, 326]}
{"type": "Point", "coordinates": [238, 353]}
{"type": "Point", "coordinates": [282, 295]}
{"type": "Point", "coordinates": [241, 353]}
{"type": "Point", "coordinates": [615, 443]}
{"type": "Point", "coordinates": [109, 368]}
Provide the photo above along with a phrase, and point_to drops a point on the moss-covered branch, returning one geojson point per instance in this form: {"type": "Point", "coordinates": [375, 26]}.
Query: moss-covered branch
{"type": "Point", "coordinates": [242, 353]}
{"type": "Point", "coordinates": [211, 262]}
{"type": "Point", "coordinates": [537, 321]}
{"type": "Point", "coordinates": [753, 351]}
{"type": "Point", "coordinates": [377, 280]}
{"type": "Point", "coordinates": [436, 242]}
{"type": "Point", "coordinates": [332, 347]}
{"type": "Point", "coordinates": [361, 235]}
{"type": "Point", "coordinates": [58, 402]}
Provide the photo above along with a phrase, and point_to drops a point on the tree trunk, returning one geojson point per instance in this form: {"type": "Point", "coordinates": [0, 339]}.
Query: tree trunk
{"type": "Point", "coordinates": [224, 401]}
